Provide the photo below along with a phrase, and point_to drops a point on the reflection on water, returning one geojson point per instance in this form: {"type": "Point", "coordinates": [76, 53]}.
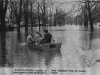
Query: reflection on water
{"type": "Point", "coordinates": [80, 49]}
{"type": "Point", "coordinates": [19, 36]}
{"type": "Point", "coordinates": [87, 38]}
{"type": "Point", "coordinates": [3, 51]}
{"type": "Point", "coordinates": [49, 57]}
{"type": "Point", "coordinates": [91, 38]}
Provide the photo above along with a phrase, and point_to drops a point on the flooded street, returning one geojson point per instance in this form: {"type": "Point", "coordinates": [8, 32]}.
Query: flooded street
{"type": "Point", "coordinates": [80, 50]}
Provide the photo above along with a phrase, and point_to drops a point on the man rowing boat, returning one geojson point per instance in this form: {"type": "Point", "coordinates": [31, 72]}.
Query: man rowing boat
{"type": "Point", "coordinates": [47, 37]}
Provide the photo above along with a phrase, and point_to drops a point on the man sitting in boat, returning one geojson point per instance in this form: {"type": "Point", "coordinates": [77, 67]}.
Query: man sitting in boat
{"type": "Point", "coordinates": [47, 37]}
{"type": "Point", "coordinates": [37, 38]}
{"type": "Point", "coordinates": [30, 39]}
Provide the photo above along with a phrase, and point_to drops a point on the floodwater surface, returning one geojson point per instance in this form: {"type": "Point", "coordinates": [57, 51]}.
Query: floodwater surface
{"type": "Point", "coordinates": [80, 52]}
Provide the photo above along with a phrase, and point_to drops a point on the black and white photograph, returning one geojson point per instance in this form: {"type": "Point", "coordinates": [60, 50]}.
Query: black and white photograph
{"type": "Point", "coordinates": [49, 37]}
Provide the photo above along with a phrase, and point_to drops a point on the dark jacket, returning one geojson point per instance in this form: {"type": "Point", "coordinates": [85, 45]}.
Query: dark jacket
{"type": "Point", "coordinates": [47, 38]}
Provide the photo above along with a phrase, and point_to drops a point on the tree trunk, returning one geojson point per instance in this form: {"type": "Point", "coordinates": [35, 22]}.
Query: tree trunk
{"type": "Point", "coordinates": [18, 15]}
{"type": "Point", "coordinates": [38, 16]}
{"type": "Point", "coordinates": [26, 23]}
{"type": "Point", "coordinates": [31, 19]}
{"type": "Point", "coordinates": [90, 17]}
{"type": "Point", "coordinates": [26, 17]}
{"type": "Point", "coordinates": [76, 21]}
{"type": "Point", "coordinates": [86, 16]}
{"type": "Point", "coordinates": [3, 9]}
{"type": "Point", "coordinates": [50, 21]}
{"type": "Point", "coordinates": [39, 21]}
{"type": "Point", "coordinates": [3, 26]}
{"type": "Point", "coordinates": [55, 18]}
{"type": "Point", "coordinates": [44, 14]}
{"type": "Point", "coordinates": [85, 19]}
{"type": "Point", "coordinates": [18, 26]}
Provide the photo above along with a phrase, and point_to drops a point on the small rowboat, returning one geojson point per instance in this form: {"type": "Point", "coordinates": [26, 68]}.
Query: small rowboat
{"type": "Point", "coordinates": [45, 47]}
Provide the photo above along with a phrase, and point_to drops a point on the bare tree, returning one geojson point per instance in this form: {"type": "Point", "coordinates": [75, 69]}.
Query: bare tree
{"type": "Point", "coordinates": [86, 8]}
{"type": "Point", "coordinates": [38, 8]}
{"type": "Point", "coordinates": [17, 9]}
{"type": "Point", "coordinates": [26, 4]}
{"type": "Point", "coordinates": [43, 9]}
{"type": "Point", "coordinates": [3, 9]}
{"type": "Point", "coordinates": [31, 12]}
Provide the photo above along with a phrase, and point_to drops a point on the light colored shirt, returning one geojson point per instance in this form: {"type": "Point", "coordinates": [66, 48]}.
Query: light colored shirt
{"type": "Point", "coordinates": [37, 39]}
{"type": "Point", "coordinates": [29, 39]}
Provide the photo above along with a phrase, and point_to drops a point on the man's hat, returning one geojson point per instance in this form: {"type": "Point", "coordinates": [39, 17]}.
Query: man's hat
{"type": "Point", "coordinates": [45, 30]}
